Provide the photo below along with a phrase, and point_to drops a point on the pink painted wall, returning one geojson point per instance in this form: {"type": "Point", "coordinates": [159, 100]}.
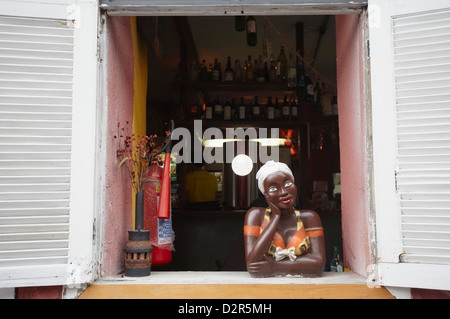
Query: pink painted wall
{"type": "Point", "coordinates": [48, 292]}
{"type": "Point", "coordinates": [118, 204]}
{"type": "Point", "coordinates": [353, 148]}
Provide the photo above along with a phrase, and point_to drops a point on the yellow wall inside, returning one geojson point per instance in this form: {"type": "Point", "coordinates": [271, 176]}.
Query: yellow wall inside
{"type": "Point", "coordinates": [140, 87]}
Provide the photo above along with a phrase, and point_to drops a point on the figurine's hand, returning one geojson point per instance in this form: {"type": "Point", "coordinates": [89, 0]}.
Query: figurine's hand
{"type": "Point", "coordinates": [274, 209]}
{"type": "Point", "coordinates": [263, 268]}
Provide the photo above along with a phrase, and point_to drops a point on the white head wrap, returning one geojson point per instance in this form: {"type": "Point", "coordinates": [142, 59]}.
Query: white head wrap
{"type": "Point", "coordinates": [269, 168]}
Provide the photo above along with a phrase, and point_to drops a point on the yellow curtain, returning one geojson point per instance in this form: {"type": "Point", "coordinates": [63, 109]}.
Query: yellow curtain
{"type": "Point", "coordinates": [140, 87]}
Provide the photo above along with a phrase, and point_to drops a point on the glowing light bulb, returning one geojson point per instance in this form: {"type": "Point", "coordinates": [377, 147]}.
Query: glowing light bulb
{"type": "Point", "coordinates": [242, 165]}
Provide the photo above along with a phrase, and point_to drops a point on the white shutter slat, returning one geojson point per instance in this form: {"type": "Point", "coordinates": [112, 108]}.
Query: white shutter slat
{"type": "Point", "coordinates": [32, 25]}
{"type": "Point", "coordinates": [36, 83]}
{"type": "Point", "coordinates": [421, 45]}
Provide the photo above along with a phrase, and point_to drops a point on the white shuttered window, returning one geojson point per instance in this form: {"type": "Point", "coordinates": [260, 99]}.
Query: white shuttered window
{"type": "Point", "coordinates": [36, 74]}
{"type": "Point", "coordinates": [44, 126]}
{"type": "Point", "coordinates": [422, 87]}
{"type": "Point", "coordinates": [411, 112]}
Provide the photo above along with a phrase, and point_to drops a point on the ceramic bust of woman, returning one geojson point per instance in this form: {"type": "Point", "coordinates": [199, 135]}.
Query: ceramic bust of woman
{"type": "Point", "coordinates": [279, 239]}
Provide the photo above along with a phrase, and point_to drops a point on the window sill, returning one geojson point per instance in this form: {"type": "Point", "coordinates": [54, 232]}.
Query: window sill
{"type": "Point", "coordinates": [232, 285]}
{"type": "Point", "coordinates": [229, 278]}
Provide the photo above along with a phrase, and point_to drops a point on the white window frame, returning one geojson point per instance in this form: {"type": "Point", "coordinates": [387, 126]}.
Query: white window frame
{"type": "Point", "coordinates": [79, 269]}
{"type": "Point", "coordinates": [391, 271]}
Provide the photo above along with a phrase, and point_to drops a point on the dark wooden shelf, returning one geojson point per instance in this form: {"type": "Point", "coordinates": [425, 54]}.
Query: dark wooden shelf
{"type": "Point", "coordinates": [239, 86]}
{"type": "Point", "coordinates": [244, 124]}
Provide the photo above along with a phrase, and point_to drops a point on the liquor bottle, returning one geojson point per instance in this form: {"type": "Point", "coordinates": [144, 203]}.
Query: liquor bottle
{"type": "Point", "coordinates": [203, 72]}
{"type": "Point", "coordinates": [277, 110]}
{"type": "Point", "coordinates": [229, 74]}
{"type": "Point", "coordinates": [234, 115]}
{"type": "Point", "coordinates": [336, 263]}
{"type": "Point", "coordinates": [208, 110]}
{"type": "Point", "coordinates": [256, 109]}
{"type": "Point", "coordinates": [294, 109]}
{"type": "Point", "coordinates": [250, 75]}
{"type": "Point", "coordinates": [242, 110]}
{"type": "Point", "coordinates": [216, 71]}
{"type": "Point", "coordinates": [292, 72]}
{"type": "Point", "coordinates": [285, 110]}
{"type": "Point", "coordinates": [272, 71]}
{"type": "Point", "coordinates": [220, 71]}
{"type": "Point", "coordinates": [227, 109]}
{"type": "Point", "coordinates": [237, 71]}
{"type": "Point", "coordinates": [270, 109]}
{"type": "Point", "coordinates": [260, 70]}
{"type": "Point", "coordinates": [218, 109]}
{"type": "Point", "coordinates": [266, 72]}
{"type": "Point", "coordinates": [316, 100]}
{"type": "Point", "coordinates": [262, 113]}
{"type": "Point", "coordinates": [251, 31]}
{"type": "Point", "coordinates": [244, 72]}
{"type": "Point", "coordinates": [210, 72]}
{"type": "Point", "coordinates": [239, 23]}
{"type": "Point", "coordinates": [282, 62]}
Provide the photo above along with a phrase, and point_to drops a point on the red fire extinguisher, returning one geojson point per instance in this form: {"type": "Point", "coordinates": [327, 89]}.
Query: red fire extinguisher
{"type": "Point", "coordinates": [157, 217]}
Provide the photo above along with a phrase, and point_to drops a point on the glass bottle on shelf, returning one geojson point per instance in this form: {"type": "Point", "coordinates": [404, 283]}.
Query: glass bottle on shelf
{"type": "Point", "coordinates": [227, 109]}
{"type": "Point", "coordinates": [234, 115]}
{"type": "Point", "coordinates": [270, 109]}
{"type": "Point", "coordinates": [256, 109]}
{"type": "Point", "coordinates": [218, 109]}
{"type": "Point", "coordinates": [294, 109]}
{"type": "Point", "coordinates": [292, 72]}
{"type": "Point", "coordinates": [277, 110]}
{"type": "Point", "coordinates": [250, 71]}
{"type": "Point", "coordinates": [251, 31]}
{"type": "Point", "coordinates": [210, 72]}
{"type": "Point", "coordinates": [260, 70]}
{"type": "Point", "coordinates": [272, 71]}
{"type": "Point", "coordinates": [216, 71]}
{"type": "Point", "coordinates": [228, 74]}
{"type": "Point", "coordinates": [242, 110]}
{"type": "Point", "coordinates": [237, 71]}
{"type": "Point", "coordinates": [208, 110]}
{"type": "Point", "coordinates": [282, 62]}
{"type": "Point", "coordinates": [285, 109]}
{"type": "Point", "coordinates": [244, 71]}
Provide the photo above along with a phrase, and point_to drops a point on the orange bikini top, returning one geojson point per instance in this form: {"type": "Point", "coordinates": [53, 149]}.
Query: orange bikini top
{"type": "Point", "coordinates": [297, 246]}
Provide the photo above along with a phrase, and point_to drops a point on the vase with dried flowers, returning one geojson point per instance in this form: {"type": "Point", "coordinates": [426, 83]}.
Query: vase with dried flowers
{"type": "Point", "coordinates": [135, 152]}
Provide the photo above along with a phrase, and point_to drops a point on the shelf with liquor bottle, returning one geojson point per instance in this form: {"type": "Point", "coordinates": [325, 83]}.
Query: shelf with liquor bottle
{"type": "Point", "coordinates": [246, 110]}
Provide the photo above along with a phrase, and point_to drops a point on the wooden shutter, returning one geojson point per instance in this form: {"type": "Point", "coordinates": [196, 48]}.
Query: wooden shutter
{"type": "Point", "coordinates": [47, 120]}
{"type": "Point", "coordinates": [36, 74]}
{"type": "Point", "coordinates": [410, 66]}
{"type": "Point", "coordinates": [421, 44]}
